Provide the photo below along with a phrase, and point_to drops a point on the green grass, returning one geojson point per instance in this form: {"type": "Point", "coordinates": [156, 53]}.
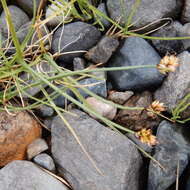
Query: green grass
{"type": "Point", "coordinates": [12, 67]}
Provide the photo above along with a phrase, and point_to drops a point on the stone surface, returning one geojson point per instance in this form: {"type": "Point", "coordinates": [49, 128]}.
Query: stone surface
{"type": "Point", "coordinates": [147, 12]}
{"type": "Point", "coordinates": [185, 16]}
{"type": "Point", "coordinates": [42, 67]}
{"type": "Point", "coordinates": [102, 7]}
{"type": "Point", "coordinates": [135, 51]}
{"type": "Point", "coordinates": [76, 36]}
{"type": "Point", "coordinates": [102, 108]}
{"type": "Point", "coordinates": [18, 16]}
{"type": "Point", "coordinates": [115, 155]}
{"type": "Point", "coordinates": [45, 161]}
{"type": "Point", "coordinates": [36, 147]}
{"type": "Point", "coordinates": [20, 175]}
{"type": "Point", "coordinates": [56, 19]}
{"type": "Point", "coordinates": [16, 133]}
{"type": "Point", "coordinates": [28, 6]}
{"type": "Point", "coordinates": [137, 119]}
{"type": "Point", "coordinates": [120, 97]}
{"type": "Point", "coordinates": [173, 147]}
{"type": "Point", "coordinates": [78, 64]}
{"type": "Point", "coordinates": [169, 46]}
{"type": "Point", "coordinates": [103, 50]}
{"type": "Point", "coordinates": [45, 111]}
{"type": "Point", "coordinates": [176, 86]}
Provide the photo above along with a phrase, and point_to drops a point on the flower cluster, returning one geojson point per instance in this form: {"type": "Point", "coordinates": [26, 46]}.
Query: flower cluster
{"type": "Point", "coordinates": [168, 64]}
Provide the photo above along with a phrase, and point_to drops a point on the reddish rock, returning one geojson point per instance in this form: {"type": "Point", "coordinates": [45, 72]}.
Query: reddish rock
{"type": "Point", "coordinates": [17, 131]}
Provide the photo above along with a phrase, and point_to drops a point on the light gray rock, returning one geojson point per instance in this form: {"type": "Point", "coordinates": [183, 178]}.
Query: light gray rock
{"type": "Point", "coordinates": [45, 161]}
{"type": "Point", "coordinates": [20, 175]}
{"type": "Point", "coordinates": [103, 50]}
{"type": "Point", "coordinates": [78, 64]}
{"type": "Point", "coordinates": [114, 154]}
{"type": "Point", "coordinates": [28, 6]}
{"type": "Point", "coordinates": [185, 17]}
{"type": "Point", "coordinates": [176, 86]}
{"type": "Point", "coordinates": [135, 51]}
{"type": "Point", "coordinates": [173, 147]}
{"type": "Point", "coordinates": [147, 12]}
{"type": "Point", "coordinates": [18, 16]}
{"type": "Point", "coordinates": [76, 36]}
{"type": "Point", "coordinates": [36, 147]}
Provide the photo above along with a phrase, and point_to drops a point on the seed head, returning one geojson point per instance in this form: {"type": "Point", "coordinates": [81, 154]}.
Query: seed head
{"type": "Point", "coordinates": [168, 64]}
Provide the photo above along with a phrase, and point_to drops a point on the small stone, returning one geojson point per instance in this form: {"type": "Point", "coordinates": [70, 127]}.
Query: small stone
{"type": "Point", "coordinates": [173, 147]}
{"type": "Point", "coordinates": [102, 108]}
{"type": "Point", "coordinates": [135, 52]}
{"type": "Point", "coordinates": [28, 5]}
{"type": "Point", "coordinates": [114, 154]}
{"type": "Point", "coordinates": [78, 64]}
{"type": "Point", "coordinates": [48, 122]}
{"type": "Point", "coordinates": [45, 111]}
{"type": "Point", "coordinates": [103, 50]}
{"type": "Point", "coordinates": [120, 97]}
{"type": "Point", "coordinates": [17, 131]}
{"type": "Point", "coordinates": [146, 12]}
{"type": "Point", "coordinates": [63, 15]}
{"type": "Point", "coordinates": [20, 175]}
{"type": "Point", "coordinates": [18, 17]}
{"type": "Point", "coordinates": [45, 161]}
{"type": "Point", "coordinates": [42, 67]}
{"type": "Point", "coordinates": [176, 86]}
{"type": "Point", "coordinates": [72, 37]}
{"type": "Point", "coordinates": [137, 119]}
{"type": "Point", "coordinates": [36, 147]}
{"type": "Point", "coordinates": [185, 16]}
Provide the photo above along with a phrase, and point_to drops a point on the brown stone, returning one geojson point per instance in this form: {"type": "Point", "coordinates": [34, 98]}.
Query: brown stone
{"type": "Point", "coordinates": [137, 119]}
{"type": "Point", "coordinates": [17, 131]}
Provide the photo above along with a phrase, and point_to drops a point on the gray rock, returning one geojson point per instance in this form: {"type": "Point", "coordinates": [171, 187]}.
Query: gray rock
{"type": "Point", "coordinates": [60, 18]}
{"type": "Point", "coordinates": [176, 86]}
{"type": "Point", "coordinates": [45, 111]}
{"type": "Point", "coordinates": [78, 64]}
{"type": "Point", "coordinates": [135, 51]}
{"type": "Point", "coordinates": [18, 16]}
{"type": "Point", "coordinates": [185, 16]}
{"type": "Point", "coordinates": [103, 50]}
{"type": "Point", "coordinates": [173, 147]}
{"type": "Point", "coordinates": [147, 12]}
{"type": "Point", "coordinates": [185, 32]}
{"type": "Point", "coordinates": [36, 147]}
{"type": "Point", "coordinates": [120, 97]}
{"type": "Point", "coordinates": [28, 6]}
{"type": "Point", "coordinates": [169, 46]}
{"type": "Point", "coordinates": [19, 175]}
{"type": "Point", "coordinates": [76, 36]}
{"type": "Point", "coordinates": [27, 79]}
{"type": "Point", "coordinates": [45, 161]}
{"type": "Point", "coordinates": [102, 7]}
{"type": "Point", "coordinates": [115, 155]}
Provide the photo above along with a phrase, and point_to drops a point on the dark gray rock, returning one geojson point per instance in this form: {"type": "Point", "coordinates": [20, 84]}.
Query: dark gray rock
{"type": "Point", "coordinates": [19, 175]}
{"type": "Point", "coordinates": [176, 86]}
{"type": "Point", "coordinates": [185, 16]}
{"type": "Point", "coordinates": [102, 7]}
{"type": "Point", "coordinates": [173, 147]}
{"type": "Point", "coordinates": [135, 51]}
{"type": "Point", "coordinates": [147, 12]}
{"type": "Point", "coordinates": [44, 68]}
{"type": "Point", "coordinates": [45, 161]}
{"type": "Point", "coordinates": [103, 50]}
{"type": "Point", "coordinates": [168, 46]}
{"type": "Point", "coordinates": [45, 111]}
{"type": "Point", "coordinates": [18, 16]}
{"type": "Point", "coordinates": [76, 36]}
{"type": "Point", "coordinates": [114, 154]}
{"type": "Point", "coordinates": [28, 6]}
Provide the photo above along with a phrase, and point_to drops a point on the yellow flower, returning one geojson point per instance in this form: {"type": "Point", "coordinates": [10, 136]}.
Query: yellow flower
{"type": "Point", "coordinates": [168, 64]}
{"type": "Point", "coordinates": [145, 136]}
{"type": "Point", "coordinates": [155, 108]}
